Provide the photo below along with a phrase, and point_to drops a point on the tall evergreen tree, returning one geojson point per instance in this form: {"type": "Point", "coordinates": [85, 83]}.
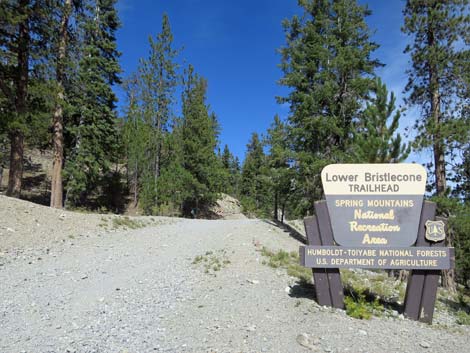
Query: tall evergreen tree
{"type": "Point", "coordinates": [175, 181]}
{"type": "Point", "coordinates": [230, 172]}
{"type": "Point", "coordinates": [255, 182]}
{"type": "Point", "coordinates": [23, 37]}
{"type": "Point", "coordinates": [328, 66]}
{"type": "Point", "coordinates": [95, 132]}
{"type": "Point", "coordinates": [148, 118]}
{"type": "Point", "coordinates": [438, 82]}
{"type": "Point", "coordinates": [136, 136]}
{"type": "Point", "coordinates": [235, 176]}
{"type": "Point", "coordinates": [226, 157]}
{"type": "Point", "coordinates": [462, 176]}
{"type": "Point", "coordinates": [58, 115]}
{"type": "Point", "coordinates": [439, 77]}
{"type": "Point", "coordinates": [375, 138]}
{"type": "Point", "coordinates": [278, 163]}
{"type": "Point", "coordinates": [158, 78]}
{"type": "Point", "coordinates": [199, 141]}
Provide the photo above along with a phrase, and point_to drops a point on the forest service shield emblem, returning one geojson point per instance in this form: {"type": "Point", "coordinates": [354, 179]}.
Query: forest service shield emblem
{"type": "Point", "coordinates": [435, 231]}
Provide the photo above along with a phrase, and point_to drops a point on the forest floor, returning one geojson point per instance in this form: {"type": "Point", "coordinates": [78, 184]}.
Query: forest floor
{"type": "Point", "coordinates": [75, 282]}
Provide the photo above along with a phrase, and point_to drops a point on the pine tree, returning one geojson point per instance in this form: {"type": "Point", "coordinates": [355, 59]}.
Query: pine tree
{"type": "Point", "coordinates": [230, 172]}
{"type": "Point", "coordinates": [460, 228]}
{"type": "Point", "coordinates": [23, 33]}
{"type": "Point", "coordinates": [58, 115]}
{"type": "Point", "coordinates": [278, 163]}
{"type": "Point", "coordinates": [174, 181]}
{"type": "Point", "coordinates": [462, 176]}
{"type": "Point", "coordinates": [150, 143]}
{"type": "Point", "coordinates": [255, 182]}
{"type": "Point", "coordinates": [95, 134]}
{"type": "Point", "coordinates": [136, 136]}
{"type": "Point", "coordinates": [328, 67]}
{"type": "Point", "coordinates": [226, 157]}
{"type": "Point", "coordinates": [438, 80]}
{"type": "Point", "coordinates": [235, 173]}
{"type": "Point", "coordinates": [158, 78]}
{"type": "Point", "coordinates": [199, 141]}
{"type": "Point", "coordinates": [459, 220]}
{"type": "Point", "coordinates": [374, 141]}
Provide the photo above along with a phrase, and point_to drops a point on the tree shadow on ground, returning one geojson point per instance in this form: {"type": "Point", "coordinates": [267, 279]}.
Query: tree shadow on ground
{"type": "Point", "coordinates": [304, 289]}
{"type": "Point", "coordinates": [292, 232]}
{"type": "Point", "coordinates": [204, 211]}
{"type": "Point", "coordinates": [455, 305]}
{"type": "Point", "coordinates": [34, 181]}
{"type": "Point", "coordinates": [36, 189]}
{"type": "Point", "coordinates": [31, 167]}
{"type": "Point", "coordinates": [40, 199]}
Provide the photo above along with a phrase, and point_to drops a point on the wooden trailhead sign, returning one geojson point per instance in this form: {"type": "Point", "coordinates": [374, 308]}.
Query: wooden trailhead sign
{"type": "Point", "coordinates": [375, 217]}
{"type": "Point", "coordinates": [374, 204]}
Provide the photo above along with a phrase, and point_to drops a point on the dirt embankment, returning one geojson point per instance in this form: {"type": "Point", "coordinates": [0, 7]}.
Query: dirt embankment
{"type": "Point", "coordinates": [25, 225]}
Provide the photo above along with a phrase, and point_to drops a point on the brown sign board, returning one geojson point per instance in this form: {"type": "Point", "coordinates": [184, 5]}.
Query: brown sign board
{"type": "Point", "coordinates": [422, 258]}
{"type": "Point", "coordinates": [377, 215]}
{"type": "Point", "coordinates": [374, 205]}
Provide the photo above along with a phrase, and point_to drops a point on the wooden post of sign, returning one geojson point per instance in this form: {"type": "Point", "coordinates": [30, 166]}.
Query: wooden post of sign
{"type": "Point", "coordinates": [422, 285]}
{"type": "Point", "coordinates": [320, 278]}
{"type": "Point", "coordinates": [431, 282]}
{"type": "Point", "coordinates": [326, 235]}
{"type": "Point", "coordinates": [328, 286]}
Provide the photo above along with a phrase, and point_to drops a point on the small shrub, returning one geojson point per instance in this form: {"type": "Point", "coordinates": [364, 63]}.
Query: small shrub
{"type": "Point", "coordinates": [463, 318]}
{"type": "Point", "coordinates": [280, 259]}
{"type": "Point", "coordinates": [126, 222]}
{"type": "Point", "coordinates": [212, 261]}
{"type": "Point", "coordinates": [198, 259]}
{"type": "Point", "coordinates": [360, 308]}
{"type": "Point", "coordinates": [288, 261]}
{"type": "Point", "coordinates": [302, 273]}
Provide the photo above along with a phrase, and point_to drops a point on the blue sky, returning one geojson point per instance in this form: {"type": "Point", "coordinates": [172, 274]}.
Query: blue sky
{"type": "Point", "coordinates": [233, 45]}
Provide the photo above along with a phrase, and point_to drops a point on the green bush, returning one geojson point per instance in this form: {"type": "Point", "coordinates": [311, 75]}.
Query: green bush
{"type": "Point", "coordinates": [463, 318]}
{"type": "Point", "coordinates": [360, 308]}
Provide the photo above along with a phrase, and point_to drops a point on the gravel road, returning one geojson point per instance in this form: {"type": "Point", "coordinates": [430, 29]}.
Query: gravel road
{"type": "Point", "coordinates": [140, 291]}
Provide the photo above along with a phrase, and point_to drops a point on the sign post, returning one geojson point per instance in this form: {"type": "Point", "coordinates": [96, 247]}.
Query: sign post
{"type": "Point", "coordinates": [374, 216]}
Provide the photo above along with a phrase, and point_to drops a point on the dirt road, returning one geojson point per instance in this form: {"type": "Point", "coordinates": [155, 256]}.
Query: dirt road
{"type": "Point", "coordinates": [155, 289]}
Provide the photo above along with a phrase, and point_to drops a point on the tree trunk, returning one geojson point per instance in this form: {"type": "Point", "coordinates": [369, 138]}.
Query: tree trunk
{"type": "Point", "coordinates": [439, 163]}
{"type": "Point", "coordinates": [135, 184]}
{"type": "Point", "coordinates": [448, 276]}
{"type": "Point", "coordinates": [403, 275]}
{"type": "Point", "coordinates": [276, 206]}
{"type": "Point", "coordinates": [438, 146]}
{"type": "Point", "coordinates": [283, 212]}
{"type": "Point", "coordinates": [448, 280]}
{"type": "Point", "coordinates": [157, 167]}
{"type": "Point", "coordinates": [16, 136]}
{"type": "Point", "coordinates": [58, 117]}
{"type": "Point", "coordinates": [16, 163]}
{"type": "Point", "coordinates": [57, 166]}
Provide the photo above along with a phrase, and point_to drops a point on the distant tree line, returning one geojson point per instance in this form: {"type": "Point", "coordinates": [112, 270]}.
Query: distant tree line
{"type": "Point", "coordinates": [59, 64]}
{"type": "Point", "coordinates": [174, 164]}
